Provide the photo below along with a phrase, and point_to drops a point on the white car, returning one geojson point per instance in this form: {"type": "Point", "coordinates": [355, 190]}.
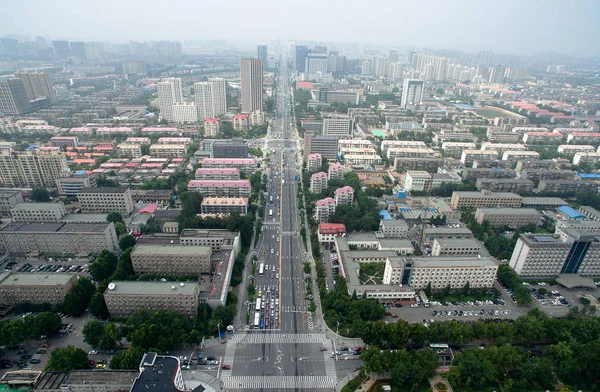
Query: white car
{"type": "Point", "coordinates": [414, 305]}
{"type": "Point", "coordinates": [93, 352]}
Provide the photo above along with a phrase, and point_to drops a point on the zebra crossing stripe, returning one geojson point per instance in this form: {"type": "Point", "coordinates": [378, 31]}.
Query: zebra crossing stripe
{"type": "Point", "coordinates": [260, 338]}
{"type": "Point", "coordinates": [279, 382]}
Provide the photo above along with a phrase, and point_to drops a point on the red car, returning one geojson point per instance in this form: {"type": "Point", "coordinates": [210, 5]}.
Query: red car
{"type": "Point", "coordinates": [226, 367]}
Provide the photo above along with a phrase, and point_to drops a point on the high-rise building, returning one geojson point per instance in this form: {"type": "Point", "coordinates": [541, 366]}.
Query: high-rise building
{"type": "Point", "coordinates": [78, 49]}
{"type": "Point", "coordinates": [262, 55]}
{"type": "Point", "coordinates": [29, 169]}
{"type": "Point", "coordinates": [13, 97]}
{"type": "Point", "coordinates": [412, 92]}
{"type": "Point", "coordinates": [61, 49]}
{"type": "Point", "coordinates": [185, 113]}
{"type": "Point", "coordinates": [211, 98]}
{"type": "Point", "coordinates": [134, 67]}
{"type": "Point", "coordinates": [95, 51]}
{"type": "Point", "coordinates": [301, 55]}
{"type": "Point", "coordinates": [316, 63]}
{"type": "Point", "coordinates": [37, 85]}
{"type": "Point", "coordinates": [169, 93]}
{"type": "Point", "coordinates": [393, 56]}
{"type": "Point", "coordinates": [497, 74]}
{"type": "Point", "coordinates": [252, 84]}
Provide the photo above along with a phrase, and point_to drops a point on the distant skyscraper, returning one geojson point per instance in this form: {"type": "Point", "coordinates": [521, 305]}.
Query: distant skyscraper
{"type": "Point", "coordinates": [412, 92]}
{"type": "Point", "coordinates": [211, 98]}
{"type": "Point", "coordinates": [37, 85]}
{"type": "Point", "coordinates": [95, 51]}
{"type": "Point", "coordinates": [497, 73]}
{"type": "Point", "coordinates": [61, 49]}
{"type": "Point", "coordinates": [252, 85]}
{"type": "Point", "coordinates": [263, 55]}
{"type": "Point", "coordinates": [134, 67]}
{"type": "Point", "coordinates": [169, 93]}
{"type": "Point", "coordinates": [13, 97]}
{"type": "Point", "coordinates": [393, 56]}
{"type": "Point", "coordinates": [78, 49]}
{"type": "Point", "coordinates": [316, 63]}
{"type": "Point", "coordinates": [301, 55]}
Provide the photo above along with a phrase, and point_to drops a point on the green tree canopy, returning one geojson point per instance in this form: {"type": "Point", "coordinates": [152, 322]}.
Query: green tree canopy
{"type": "Point", "coordinates": [67, 358]}
{"type": "Point", "coordinates": [39, 194]}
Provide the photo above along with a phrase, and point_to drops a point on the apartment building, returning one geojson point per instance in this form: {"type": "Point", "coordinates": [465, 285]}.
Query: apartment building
{"type": "Point", "coordinates": [130, 150]}
{"type": "Point", "coordinates": [430, 165]}
{"type": "Point", "coordinates": [472, 174]}
{"type": "Point", "coordinates": [225, 205]}
{"type": "Point", "coordinates": [583, 137]}
{"type": "Point", "coordinates": [124, 298]}
{"type": "Point", "coordinates": [468, 156]}
{"type": "Point", "coordinates": [314, 162]}
{"type": "Point", "coordinates": [514, 156]}
{"type": "Point", "coordinates": [344, 195]}
{"type": "Point", "coordinates": [393, 228]}
{"type": "Point", "coordinates": [241, 122]}
{"type": "Point", "coordinates": [505, 185]}
{"type": "Point", "coordinates": [501, 147]}
{"type": "Point", "coordinates": [453, 271]}
{"type": "Point", "coordinates": [171, 259]}
{"type": "Point", "coordinates": [406, 152]}
{"type": "Point", "coordinates": [38, 212]}
{"type": "Point", "coordinates": [542, 174]}
{"type": "Point", "coordinates": [64, 141]}
{"type": "Point", "coordinates": [336, 171]}
{"type": "Point", "coordinates": [229, 188]}
{"type": "Point", "coordinates": [168, 150]}
{"type": "Point", "coordinates": [542, 137]}
{"type": "Point", "coordinates": [324, 208]}
{"type": "Point", "coordinates": [218, 240]}
{"type": "Point", "coordinates": [327, 232]}
{"type": "Point", "coordinates": [455, 149]}
{"type": "Point", "coordinates": [326, 145]}
{"type": "Point", "coordinates": [217, 174]}
{"type": "Point", "coordinates": [484, 199]}
{"type": "Point", "coordinates": [586, 157]}
{"type": "Point", "coordinates": [59, 238]}
{"type": "Point", "coordinates": [571, 149]}
{"type": "Point", "coordinates": [138, 140]}
{"type": "Point", "coordinates": [318, 182]}
{"type": "Point", "coordinates": [535, 164]}
{"type": "Point", "coordinates": [106, 200]}
{"type": "Point", "coordinates": [71, 183]}
{"type": "Point", "coordinates": [501, 136]}
{"type": "Point", "coordinates": [362, 158]}
{"type": "Point", "coordinates": [337, 125]}
{"type": "Point", "coordinates": [513, 217]}
{"type": "Point", "coordinates": [245, 165]}
{"type": "Point", "coordinates": [8, 199]}
{"type": "Point", "coordinates": [387, 144]}
{"type": "Point", "coordinates": [354, 143]}
{"type": "Point", "coordinates": [568, 186]}
{"type": "Point", "coordinates": [175, 140]}
{"type": "Point", "coordinates": [35, 289]}
{"type": "Point", "coordinates": [491, 164]}
{"type": "Point", "coordinates": [454, 247]}
{"type": "Point", "coordinates": [29, 169]}
{"type": "Point", "coordinates": [212, 127]}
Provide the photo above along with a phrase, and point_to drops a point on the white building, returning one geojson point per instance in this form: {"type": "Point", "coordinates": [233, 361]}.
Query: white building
{"type": "Point", "coordinates": [468, 156]}
{"type": "Point", "coordinates": [211, 98]}
{"type": "Point", "coordinates": [324, 208]}
{"type": "Point", "coordinates": [344, 195]}
{"type": "Point", "coordinates": [37, 212]}
{"type": "Point", "coordinates": [168, 150]}
{"type": "Point", "coordinates": [407, 152]}
{"type": "Point", "coordinates": [318, 182]}
{"type": "Point", "coordinates": [453, 271]}
{"type": "Point", "coordinates": [185, 113]}
{"type": "Point", "coordinates": [412, 92]}
{"type": "Point", "coordinates": [337, 126]}
{"type": "Point", "coordinates": [394, 228]}
{"type": "Point", "coordinates": [169, 93]}
{"type": "Point", "coordinates": [314, 162]}
{"type": "Point", "coordinates": [130, 150]}
{"type": "Point", "coordinates": [515, 155]}
{"type": "Point", "coordinates": [336, 171]}
{"type": "Point", "coordinates": [212, 127]}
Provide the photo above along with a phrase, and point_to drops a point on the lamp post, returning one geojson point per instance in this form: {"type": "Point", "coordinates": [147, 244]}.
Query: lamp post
{"type": "Point", "coordinates": [219, 328]}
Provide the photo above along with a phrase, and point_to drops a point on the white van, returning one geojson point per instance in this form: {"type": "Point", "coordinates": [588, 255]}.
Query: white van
{"type": "Point", "coordinates": [272, 251]}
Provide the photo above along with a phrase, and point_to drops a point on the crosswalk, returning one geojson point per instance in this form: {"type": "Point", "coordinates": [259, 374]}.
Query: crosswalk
{"type": "Point", "coordinates": [228, 359]}
{"type": "Point", "coordinates": [279, 382]}
{"type": "Point", "coordinates": [261, 338]}
{"type": "Point", "coordinates": [329, 365]}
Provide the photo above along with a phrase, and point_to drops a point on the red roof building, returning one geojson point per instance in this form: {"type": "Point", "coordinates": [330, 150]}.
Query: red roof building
{"type": "Point", "coordinates": [328, 232]}
{"type": "Point", "coordinates": [304, 85]}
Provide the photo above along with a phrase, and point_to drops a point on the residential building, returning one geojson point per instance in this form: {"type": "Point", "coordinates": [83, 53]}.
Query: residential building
{"type": "Point", "coordinates": [240, 122]}
{"type": "Point", "coordinates": [543, 174]}
{"type": "Point", "coordinates": [230, 188]}
{"type": "Point", "coordinates": [8, 199]}
{"type": "Point", "coordinates": [70, 183]}
{"type": "Point", "coordinates": [583, 137]}
{"type": "Point", "coordinates": [318, 182]}
{"type": "Point", "coordinates": [453, 271]}
{"type": "Point", "coordinates": [485, 199]}
{"type": "Point", "coordinates": [225, 205]}
{"type": "Point", "coordinates": [36, 289]}
{"type": "Point", "coordinates": [38, 212]}
{"type": "Point", "coordinates": [455, 149]}
{"type": "Point", "coordinates": [184, 112]}
{"type": "Point", "coordinates": [252, 84]}
{"type": "Point", "coordinates": [336, 171]}
{"type": "Point", "coordinates": [470, 174]}
{"type": "Point", "coordinates": [513, 217]}
{"type": "Point", "coordinates": [130, 150]}
{"type": "Point", "coordinates": [134, 67]}
{"type": "Point", "coordinates": [326, 145]}
{"type": "Point", "coordinates": [344, 195]}
{"type": "Point", "coordinates": [412, 92]}
{"type": "Point", "coordinates": [590, 212]}
{"type": "Point", "coordinates": [37, 85]}
{"type": "Point", "coordinates": [362, 157]}
{"type": "Point", "coordinates": [542, 137]}
{"type": "Point", "coordinates": [245, 165]}
{"type": "Point", "coordinates": [7, 146]}
{"type": "Point", "coordinates": [138, 140]}
{"type": "Point", "coordinates": [324, 208]}
{"type": "Point", "coordinates": [354, 143]}
{"type": "Point", "coordinates": [314, 162]}
{"type": "Point", "coordinates": [572, 149]}
{"type": "Point", "coordinates": [106, 200]}
{"type": "Point", "coordinates": [568, 186]}
{"type": "Point", "coordinates": [505, 185]}
{"type": "Point", "coordinates": [169, 94]}
{"type": "Point", "coordinates": [468, 156]}
{"type": "Point", "coordinates": [171, 259]}
{"type": "Point", "coordinates": [28, 169]}
{"type": "Point", "coordinates": [212, 127]}
{"type": "Point", "coordinates": [513, 156]}
{"type": "Point", "coordinates": [430, 165]}
{"type": "Point", "coordinates": [337, 125]}
{"type": "Point", "coordinates": [535, 164]}
{"type": "Point", "coordinates": [387, 144]}
{"type": "Point", "coordinates": [586, 157]}
{"type": "Point", "coordinates": [500, 135]}
{"type": "Point", "coordinates": [168, 150]}
{"type": "Point", "coordinates": [217, 174]}
{"type": "Point", "coordinates": [124, 298]}
{"type": "Point", "coordinates": [393, 228]}
{"type": "Point", "coordinates": [211, 98]}
{"type": "Point", "coordinates": [13, 97]}
{"type": "Point", "coordinates": [454, 247]}
{"type": "Point", "coordinates": [327, 232]}
{"type": "Point", "coordinates": [501, 147]}
{"type": "Point", "coordinates": [403, 152]}
{"type": "Point", "coordinates": [59, 238]}
{"type": "Point", "coordinates": [64, 141]}
{"type": "Point", "coordinates": [257, 118]}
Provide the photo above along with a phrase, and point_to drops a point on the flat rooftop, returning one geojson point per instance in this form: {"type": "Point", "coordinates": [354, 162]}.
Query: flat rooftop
{"type": "Point", "coordinates": [8, 193]}
{"type": "Point", "coordinates": [153, 288]}
{"type": "Point", "coordinates": [438, 262]}
{"type": "Point", "coordinates": [157, 377]}
{"type": "Point", "coordinates": [171, 249]}
{"type": "Point", "coordinates": [505, 195]}
{"type": "Point", "coordinates": [86, 218]}
{"type": "Point", "coordinates": [98, 377]}
{"type": "Point", "coordinates": [509, 211]}
{"type": "Point", "coordinates": [357, 237]}
{"type": "Point", "coordinates": [394, 222]}
{"type": "Point", "coordinates": [458, 242]}
{"type": "Point", "coordinates": [104, 190]}
{"type": "Point", "coordinates": [388, 243]}
{"type": "Point", "coordinates": [27, 279]}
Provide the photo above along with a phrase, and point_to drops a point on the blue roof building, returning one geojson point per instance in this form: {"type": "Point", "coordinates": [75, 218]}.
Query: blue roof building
{"type": "Point", "coordinates": [385, 215]}
{"type": "Point", "coordinates": [571, 213]}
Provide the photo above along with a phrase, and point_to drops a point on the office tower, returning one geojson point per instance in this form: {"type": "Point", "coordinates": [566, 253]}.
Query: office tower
{"type": "Point", "coordinates": [302, 52]}
{"type": "Point", "coordinates": [262, 55]}
{"type": "Point", "coordinates": [497, 74]}
{"type": "Point", "coordinates": [29, 169]}
{"type": "Point", "coordinates": [316, 63]}
{"type": "Point", "coordinates": [252, 85]}
{"type": "Point", "coordinates": [95, 51]}
{"type": "Point", "coordinates": [211, 98]}
{"type": "Point", "coordinates": [134, 67]}
{"type": "Point", "coordinates": [37, 85]}
{"type": "Point", "coordinates": [13, 97]}
{"type": "Point", "coordinates": [412, 92]}
{"type": "Point", "coordinates": [61, 49]}
{"type": "Point", "coordinates": [78, 49]}
{"type": "Point", "coordinates": [169, 93]}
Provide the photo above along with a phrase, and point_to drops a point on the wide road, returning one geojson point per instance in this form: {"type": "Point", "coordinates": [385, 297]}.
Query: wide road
{"type": "Point", "coordinates": [284, 351]}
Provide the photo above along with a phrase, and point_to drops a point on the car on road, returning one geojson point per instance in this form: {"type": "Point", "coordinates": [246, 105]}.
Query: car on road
{"type": "Point", "coordinates": [34, 361]}
{"type": "Point", "coordinates": [210, 358]}
{"type": "Point", "coordinates": [93, 352]}
{"type": "Point", "coordinates": [226, 367]}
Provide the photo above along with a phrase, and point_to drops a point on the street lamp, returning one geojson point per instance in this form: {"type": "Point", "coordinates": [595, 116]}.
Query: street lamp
{"type": "Point", "coordinates": [219, 328]}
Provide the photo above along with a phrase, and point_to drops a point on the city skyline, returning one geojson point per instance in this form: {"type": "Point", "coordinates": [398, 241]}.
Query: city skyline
{"type": "Point", "coordinates": [463, 25]}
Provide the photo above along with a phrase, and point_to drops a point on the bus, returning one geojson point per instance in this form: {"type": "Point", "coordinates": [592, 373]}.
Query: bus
{"type": "Point", "coordinates": [261, 269]}
{"type": "Point", "coordinates": [271, 212]}
{"type": "Point", "coordinates": [257, 308]}
{"type": "Point", "coordinates": [256, 319]}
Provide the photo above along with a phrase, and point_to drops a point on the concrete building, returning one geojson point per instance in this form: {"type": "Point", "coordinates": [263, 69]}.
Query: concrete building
{"type": "Point", "coordinates": [225, 205]}
{"type": "Point", "coordinates": [229, 188]}
{"type": "Point", "coordinates": [324, 208]}
{"type": "Point", "coordinates": [572, 149]}
{"type": "Point", "coordinates": [501, 147]}
{"type": "Point", "coordinates": [583, 137]}
{"type": "Point", "coordinates": [13, 97]}
{"type": "Point", "coordinates": [513, 217]}
{"type": "Point", "coordinates": [130, 150]}
{"type": "Point", "coordinates": [252, 84]}
{"type": "Point", "coordinates": [586, 157]}
{"type": "Point", "coordinates": [257, 118]}
{"type": "Point", "coordinates": [169, 94]}
{"type": "Point", "coordinates": [485, 199]}
{"type": "Point", "coordinates": [431, 233]}
{"type": "Point", "coordinates": [229, 148]}
{"type": "Point", "coordinates": [402, 152]}
{"type": "Point", "coordinates": [211, 98]}
{"type": "Point", "coordinates": [59, 238]}
{"type": "Point", "coordinates": [590, 212]}
{"type": "Point", "coordinates": [402, 246]}
{"type": "Point", "coordinates": [472, 174]}
{"type": "Point", "coordinates": [124, 298]}
{"type": "Point", "coordinates": [37, 85]}
{"type": "Point", "coordinates": [491, 164]}
{"type": "Point", "coordinates": [344, 195]}
{"type": "Point", "coordinates": [393, 228]}
{"type": "Point", "coordinates": [171, 259]}
{"type": "Point", "coordinates": [412, 92]}
{"type": "Point", "coordinates": [535, 164]}
{"type": "Point", "coordinates": [218, 240]}
{"type": "Point", "coordinates": [184, 112]}
{"type": "Point", "coordinates": [387, 144]}
{"type": "Point", "coordinates": [350, 97]}
{"type": "Point", "coordinates": [35, 289]}
{"type": "Point", "coordinates": [536, 175]}
{"type": "Point", "coordinates": [69, 183]}
{"type": "Point", "coordinates": [217, 174]}
{"type": "Point", "coordinates": [212, 127]}
{"type": "Point", "coordinates": [468, 156]}
{"type": "Point", "coordinates": [327, 232]}
{"type": "Point", "coordinates": [568, 186]}
{"type": "Point", "coordinates": [318, 182]}
{"type": "Point", "coordinates": [431, 165]}
{"type": "Point", "coordinates": [417, 180]}
{"type": "Point", "coordinates": [106, 200]}
{"type": "Point", "coordinates": [31, 169]}
{"type": "Point", "coordinates": [353, 143]}
{"type": "Point", "coordinates": [455, 149]}
{"type": "Point", "coordinates": [326, 145]}
{"type": "Point", "coordinates": [336, 171]}
{"type": "Point", "coordinates": [453, 271]}
{"type": "Point", "coordinates": [454, 247]}
{"type": "Point", "coordinates": [505, 185]}
{"type": "Point", "coordinates": [134, 67]}
{"type": "Point", "coordinates": [337, 125]}
{"type": "Point", "coordinates": [314, 162]}
{"type": "Point", "coordinates": [245, 165]}
{"type": "Point", "coordinates": [8, 199]}
{"type": "Point", "coordinates": [38, 212]}
{"type": "Point", "coordinates": [64, 141]}
{"type": "Point", "coordinates": [514, 156]}
{"type": "Point", "coordinates": [168, 150]}
{"type": "Point", "coordinates": [241, 122]}
{"type": "Point", "coordinates": [542, 137]}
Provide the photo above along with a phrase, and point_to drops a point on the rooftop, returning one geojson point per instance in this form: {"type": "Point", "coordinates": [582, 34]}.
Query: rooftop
{"type": "Point", "coordinates": [457, 242]}
{"type": "Point", "coordinates": [104, 190]}
{"type": "Point", "coordinates": [571, 213]}
{"type": "Point", "coordinates": [75, 218]}
{"type": "Point", "coordinates": [157, 375]}
{"type": "Point", "coordinates": [395, 223]}
{"type": "Point", "coordinates": [392, 243]}
{"type": "Point", "coordinates": [153, 288]}
{"type": "Point", "coordinates": [8, 192]}
{"type": "Point", "coordinates": [17, 279]}
{"type": "Point", "coordinates": [54, 380]}
{"type": "Point", "coordinates": [169, 249]}
{"type": "Point", "coordinates": [509, 211]}
{"type": "Point", "coordinates": [505, 195]}
{"type": "Point", "coordinates": [440, 262]}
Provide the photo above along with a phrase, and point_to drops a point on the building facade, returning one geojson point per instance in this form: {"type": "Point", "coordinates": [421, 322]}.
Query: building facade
{"type": "Point", "coordinates": [252, 84]}
{"type": "Point", "coordinates": [38, 212]}
{"type": "Point", "coordinates": [106, 200]}
{"type": "Point", "coordinates": [69, 184]}
{"type": "Point", "coordinates": [31, 169]}
{"type": "Point", "coordinates": [229, 188]}
{"type": "Point", "coordinates": [225, 205]}
{"type": "Point", "coordinates": [35, 289]}
{"type": "Point", "coordinates": [171, 259]}
{"type": "Point", "coordinates": [513, 217]}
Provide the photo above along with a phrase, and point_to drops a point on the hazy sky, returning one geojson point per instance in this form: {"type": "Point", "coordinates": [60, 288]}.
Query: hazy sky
{"type": "Point", "coordinates": [504, 26]}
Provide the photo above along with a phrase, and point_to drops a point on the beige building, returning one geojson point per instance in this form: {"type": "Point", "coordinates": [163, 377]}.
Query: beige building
{"type": "Point", "coordinates": [408, 152]}
{"type": "Point", "coordinates": [106, 200]}
{"type": "Point", "coordinates": [124, 298]}
{"type": "Point", "coordinates": [394, 228]}
{"type": "Point", "coordinates": [38, 212]}
{"type": "Point", "coordinates": [485, 199]}
{"type": "Point", "coordinates": [26, 169]}
{"type": "Point", "coordinates": [513, 155]}
{"type": "Point", "coordinates": [131, 150]}
{"type": "Point", "coordinates": [171, 259]}
{"type": "Point", "coordinates": [8, 199]}
{"type": "Point", "coordinates": [225, 205]}
{"type": "Point", "coordinates": [468, 156]}
{"type": "Point", "coordinates": [168, 150]}
{"type": "Point", "coordinates": [36, 289]}
{"type": "Point", "coordinates": [513, 217]}
{"type": "Point", "coordinates": [454, 247]}
{"type": "Point", "coordinates": [453, 271]}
